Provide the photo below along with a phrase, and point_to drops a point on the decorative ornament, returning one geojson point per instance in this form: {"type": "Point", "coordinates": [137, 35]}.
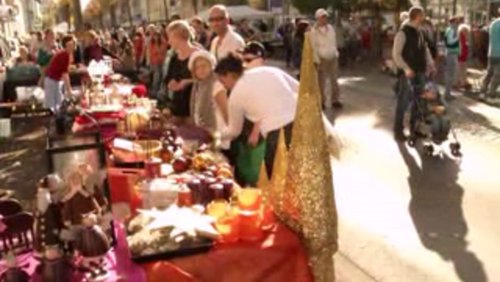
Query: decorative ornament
{"type": "Point", "coordinates": [263, 181]}
{"type": "Point", "coordinates": [278, 179]}
{"type": "Point", "coordinates": [309, 202]}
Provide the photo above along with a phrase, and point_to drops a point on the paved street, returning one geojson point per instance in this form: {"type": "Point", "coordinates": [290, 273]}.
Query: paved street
{"type": "Point", "coordinates": [404, 217]}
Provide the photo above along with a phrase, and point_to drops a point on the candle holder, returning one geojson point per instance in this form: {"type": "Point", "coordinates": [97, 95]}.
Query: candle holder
{"type": "Point", "coordinates": [250, 225]}
{"type": "Point", "coordinates": [250, 199]}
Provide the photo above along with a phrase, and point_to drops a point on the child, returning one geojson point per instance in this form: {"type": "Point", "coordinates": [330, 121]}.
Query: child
{"type": "Point", "coordinates": [434, 111]}
{"type": "Point", "coordinates": [209, 98]}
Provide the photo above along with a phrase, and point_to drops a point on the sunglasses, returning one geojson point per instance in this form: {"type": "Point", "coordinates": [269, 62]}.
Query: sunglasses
{"type": "Point", "coordinates": [216, 19]}
{"type": "Point", "coordinates": [249, 59]}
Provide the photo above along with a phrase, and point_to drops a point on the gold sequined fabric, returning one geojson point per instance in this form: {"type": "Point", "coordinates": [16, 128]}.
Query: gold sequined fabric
{"type": "Point", "coordinates": [278, 179]}
{"type": "Point", "coordinates": [263, 181]}
{"type": "Point", "coordinates": [309, 202]}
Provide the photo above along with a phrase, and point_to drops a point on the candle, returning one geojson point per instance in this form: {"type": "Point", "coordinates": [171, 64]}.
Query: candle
{"type": "Point", "coordinates": [184, 197]}
{"type": "Point", "coordinates": [250, 225]}
{"type": "Point", "coordinates": [268, 217]}
{"type": "Point", "coordinates": [207, 182]}
{"type": "Point", "coordinates": [218, 209]}
{"type": "Point", "coordinates": [217, 191]}
{"type": "Point", "coordinates": [228, 228]}
{"type": "Point", "coordinates": [195, 186]}
{"type": "Point", "coordinates": [250, 199]}
{"type": "Point", "coordinates": [228, 188]}
{"type": "Point", "coordinates": [153, 168]}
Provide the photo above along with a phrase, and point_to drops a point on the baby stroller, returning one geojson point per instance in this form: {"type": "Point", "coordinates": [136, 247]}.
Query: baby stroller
{"type": "Point", "coordinates": [431, 124]}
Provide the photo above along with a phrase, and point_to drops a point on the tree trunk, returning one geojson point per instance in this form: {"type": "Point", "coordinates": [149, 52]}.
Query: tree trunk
{"type": "Point", "coordinates": [195, 6]}
{"type": "Point", "coordinates": [165, 6]}
{"type": "Point", "coordinates": [77, 12]}
{"type": "Point", "coordinates": [129, 12]}
{"type": "Point", "coordinates": [112, 10]}
{"type": "Point", "coordinates": [454, 8]}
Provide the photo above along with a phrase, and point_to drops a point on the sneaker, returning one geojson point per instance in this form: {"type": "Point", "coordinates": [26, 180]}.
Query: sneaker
{"type": "Point", "coordinates": [337, 105]}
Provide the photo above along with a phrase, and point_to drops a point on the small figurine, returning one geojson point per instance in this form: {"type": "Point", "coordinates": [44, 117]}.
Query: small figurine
{"type": "Point", "coordinates": [77, 201]}
{"type": "Point", "coordinates": [48, 223]}
{"type": "Point", "coordinates": [14, 273]}
{"type": "Point", "coordinates": [92, 244]}
{"type": "Point", "coordinates": [55, 267]}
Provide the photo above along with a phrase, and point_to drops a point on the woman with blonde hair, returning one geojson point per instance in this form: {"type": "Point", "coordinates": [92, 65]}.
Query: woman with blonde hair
{"type": "Point", "coordinates": [178, 79]}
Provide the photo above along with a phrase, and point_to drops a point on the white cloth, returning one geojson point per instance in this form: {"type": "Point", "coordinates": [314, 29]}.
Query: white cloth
{"type": "Point", "coordinates": [324, 43]}
{"type": "Point", "coordinates": [231, 42]}
{"type": "Point", "coordinates": [263, 94]}
{"type": "Point", "coordinates": [221, 123]}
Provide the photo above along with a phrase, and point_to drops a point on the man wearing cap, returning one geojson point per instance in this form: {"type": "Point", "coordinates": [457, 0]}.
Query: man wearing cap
{"type": "Point", "coordinates": [492, 78]}
{"type": "Point", "coordinates": [324, 44]}
{"type": "Point", "coordinates": [412, 56]}
{"type": "Point", "coordinates": [227, 41]}
{"type": "Point", "coordinates": [451, 40]}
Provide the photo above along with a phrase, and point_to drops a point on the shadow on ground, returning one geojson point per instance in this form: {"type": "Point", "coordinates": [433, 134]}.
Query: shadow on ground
{"type": "Point", "coordinates": [22, 157]}
{"type": "Point", "coordinates": [436, 211]}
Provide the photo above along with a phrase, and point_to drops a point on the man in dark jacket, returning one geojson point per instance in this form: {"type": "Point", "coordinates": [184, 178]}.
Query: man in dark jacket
{"type": "Point", "coordinates": [411, 55]}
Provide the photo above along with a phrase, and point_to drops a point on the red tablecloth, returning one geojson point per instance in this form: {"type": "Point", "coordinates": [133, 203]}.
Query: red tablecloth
{"type": "Point", "coordinates": [280, 257]}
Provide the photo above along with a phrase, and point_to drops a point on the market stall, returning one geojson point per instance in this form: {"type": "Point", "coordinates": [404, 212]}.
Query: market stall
{"type": "Point", "coordinates": [156, 202]}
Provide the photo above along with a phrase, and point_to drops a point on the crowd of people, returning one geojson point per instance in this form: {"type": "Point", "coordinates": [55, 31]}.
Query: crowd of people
{"type": "Point", "coordinates": [211, 74]}
{"type": "Point", "coordinates": [416, 55]}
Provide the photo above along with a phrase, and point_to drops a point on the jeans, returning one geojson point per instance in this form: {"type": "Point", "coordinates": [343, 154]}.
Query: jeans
{"type": "Point", "coordinates": [53, 93]}
{"type": "Point", "coordinates": [492, 78]}
{"type": "Point", "coordinates": [408, 91]}
{"type": "Point", "coordinates": [156, 81]}
{"type": "Point", "coordinates": [450, 74]}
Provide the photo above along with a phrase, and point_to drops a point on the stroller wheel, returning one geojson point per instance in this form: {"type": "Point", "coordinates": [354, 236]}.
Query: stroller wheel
{"type": "Point", "coordinates": [456, 153]}
{"type": "Point", "coordinates": [428, 150]}
{"type": "Point", "coordinates": [412, 143]}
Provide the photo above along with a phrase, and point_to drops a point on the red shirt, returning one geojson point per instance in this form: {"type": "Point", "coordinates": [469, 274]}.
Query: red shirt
{"type": "Point", "coordinates": [138, 48]}
{"type": "Point", "coordinates": [464, 48]}
{"type": "Point", "coordinates": [58, 65]}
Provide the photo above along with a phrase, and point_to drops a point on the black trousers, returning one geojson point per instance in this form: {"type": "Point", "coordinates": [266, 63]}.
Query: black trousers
{"type": "Point", "coordinates": [272, 145]}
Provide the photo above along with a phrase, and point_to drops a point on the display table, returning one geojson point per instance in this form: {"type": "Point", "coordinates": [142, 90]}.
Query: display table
{"type": "Point", "coordinates": [278, 258]}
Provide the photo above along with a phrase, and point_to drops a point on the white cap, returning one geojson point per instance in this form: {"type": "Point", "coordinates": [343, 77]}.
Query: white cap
{"type": "Point", "coordinates": [201, 54]}
{"type": "Point", "coordinates": [320, 13]}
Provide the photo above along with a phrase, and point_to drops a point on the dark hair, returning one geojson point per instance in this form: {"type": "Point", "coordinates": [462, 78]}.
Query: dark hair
{"type": "Point", "coordinates": [230, 64]}
{"type": "Point", "coordinates": [66, 39]}
{"type": "Point", "coordinates": [415, 11]}
{"type": "Point", "coordinates": [301, 30]}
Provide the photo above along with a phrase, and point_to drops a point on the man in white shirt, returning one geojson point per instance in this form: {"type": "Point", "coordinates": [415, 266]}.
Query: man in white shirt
{"type": "Point", "coordinates": [324, 44]}
{"type": "Point", "coordinates": [227, 41]}
{"type": "Point", "coordinates": [266, 96]}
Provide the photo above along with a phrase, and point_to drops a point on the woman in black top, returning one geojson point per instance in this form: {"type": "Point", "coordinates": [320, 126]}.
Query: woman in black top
{"type": "Point", "coordinates": [178, 78]}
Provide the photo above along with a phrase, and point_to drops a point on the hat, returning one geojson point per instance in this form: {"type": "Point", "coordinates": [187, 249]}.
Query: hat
{"type": "Point", "coordinates": [320, 13]}
{"type": "Point", "coordinates": [254, 48]}
{"type": "Point", "coordinates": [201, 54]}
